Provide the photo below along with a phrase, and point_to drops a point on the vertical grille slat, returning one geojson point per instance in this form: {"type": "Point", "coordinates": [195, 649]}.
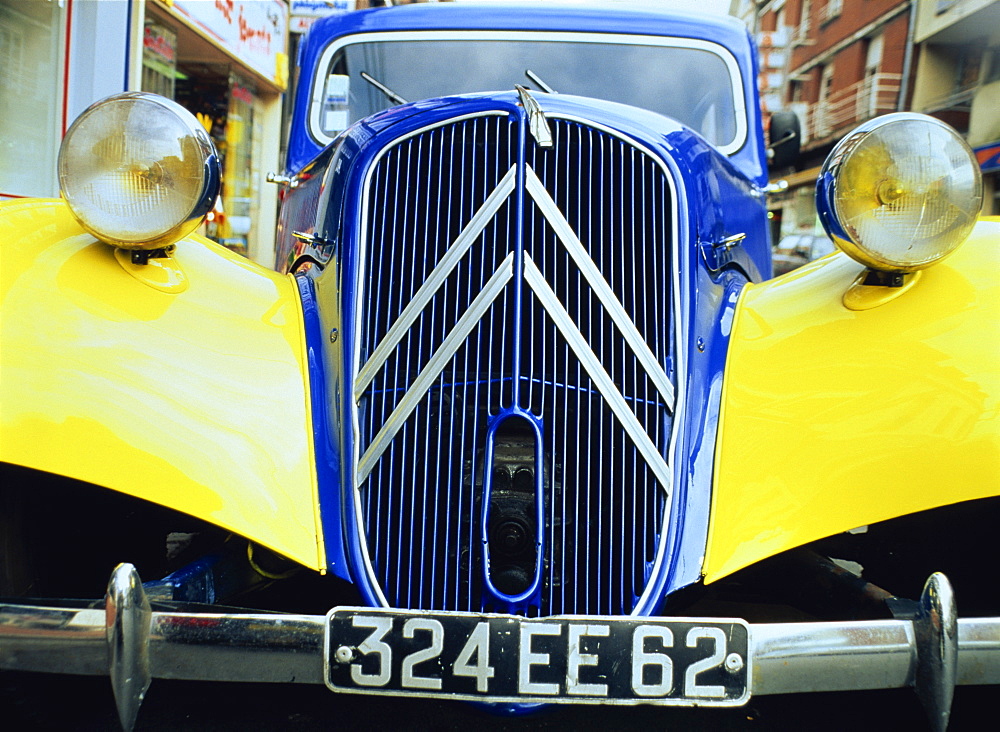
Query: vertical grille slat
{"type": "Point", "coordinates": [422, 503]}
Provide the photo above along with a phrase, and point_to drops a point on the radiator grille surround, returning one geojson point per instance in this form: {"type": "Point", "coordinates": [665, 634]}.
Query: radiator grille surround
{"type": "Point", "coordinates": [498, 278]}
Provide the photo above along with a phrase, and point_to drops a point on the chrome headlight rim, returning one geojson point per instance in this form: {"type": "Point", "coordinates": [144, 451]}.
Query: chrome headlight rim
{"type": "Point", "coordinates": [194, 208]}
{"type": "Point", "coordinates": [847, 238]}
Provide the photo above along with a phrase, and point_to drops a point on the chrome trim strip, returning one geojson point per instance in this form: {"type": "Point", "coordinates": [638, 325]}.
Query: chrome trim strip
{"type": "Point", "coordinates": [978, 651]}
{"type": "Point", "coordinates": [604, 292]}
{"type": "Point", "coordinates": [595, 369]}
{"type": "Point", "coordinates": [445, 266]}
{"type": "Point", "coordinates": [437, 362]}
{"type": "Point", "coordinates": [795, 657]}
{"type": "Point", "coordinates": [735, 76]}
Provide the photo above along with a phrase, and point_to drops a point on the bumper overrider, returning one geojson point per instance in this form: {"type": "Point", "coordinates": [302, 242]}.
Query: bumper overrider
{"type": "Point", "coordinates": [932, 652]}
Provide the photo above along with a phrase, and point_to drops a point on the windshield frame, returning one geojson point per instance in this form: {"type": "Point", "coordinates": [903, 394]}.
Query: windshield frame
{"type": "Point", "coordinates": [735, 76]}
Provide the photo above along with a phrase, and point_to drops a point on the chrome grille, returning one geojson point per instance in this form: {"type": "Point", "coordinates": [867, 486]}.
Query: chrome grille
{"type": "Point", "coordinates": [580, 291]}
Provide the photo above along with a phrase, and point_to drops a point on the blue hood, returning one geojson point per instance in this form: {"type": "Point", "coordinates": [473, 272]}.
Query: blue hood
{"type": "Point", "coordinates": [713, 200]}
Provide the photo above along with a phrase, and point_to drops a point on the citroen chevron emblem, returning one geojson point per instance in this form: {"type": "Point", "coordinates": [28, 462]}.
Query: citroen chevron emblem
{"type": "Point", "coordinates": [548, 299]}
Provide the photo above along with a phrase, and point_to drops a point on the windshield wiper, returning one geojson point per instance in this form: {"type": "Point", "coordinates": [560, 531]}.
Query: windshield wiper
{"type": "Point", "coordinates": [389, 93]}
{"type": "Point", "coordinates": [538, 80]}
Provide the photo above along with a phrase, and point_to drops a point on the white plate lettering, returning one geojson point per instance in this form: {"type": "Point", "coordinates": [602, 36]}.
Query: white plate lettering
{"type": "Point", "coordinates": [528, 659]}
{"type": "Point", "coordinates": [643, 659]}
{"type": "Point", "coordinates": [479, 646]}
{"type": "Point", "coordinates": [434, 627]}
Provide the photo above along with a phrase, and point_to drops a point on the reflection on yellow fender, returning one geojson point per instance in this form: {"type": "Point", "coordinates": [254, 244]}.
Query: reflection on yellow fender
{"type": "Point", "coordinates": [834, 419]}
{"type": "Point", "coordinates": [193, 397]}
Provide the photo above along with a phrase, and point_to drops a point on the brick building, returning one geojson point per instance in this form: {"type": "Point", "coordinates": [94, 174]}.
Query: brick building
{"type": "Point", "coordinates": [836, 63]}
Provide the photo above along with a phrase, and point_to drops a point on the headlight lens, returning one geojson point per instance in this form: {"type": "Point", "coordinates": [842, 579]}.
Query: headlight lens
{"type": "Point", "coordinates": [138, 171]}
{"type": "Point", "coordinates": [900, 192]}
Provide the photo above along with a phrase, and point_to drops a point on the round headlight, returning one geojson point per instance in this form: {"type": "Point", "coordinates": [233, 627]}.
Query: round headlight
{"type": "Point", "coordinates": [900, 192]}
{"type": "Point", "coordinates": [138, 171]}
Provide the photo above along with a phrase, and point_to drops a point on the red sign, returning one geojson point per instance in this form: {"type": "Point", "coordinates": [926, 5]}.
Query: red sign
{"type": "Point", "coordinates": [988, 157]}
{"type": "Point", "coordinates": [154, 41]}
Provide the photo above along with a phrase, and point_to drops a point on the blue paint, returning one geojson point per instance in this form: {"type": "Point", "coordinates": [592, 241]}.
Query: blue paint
{"type": "Point", "coordinates": [194, 582]}
{"type": "Point", "coordinates": [326, 446]}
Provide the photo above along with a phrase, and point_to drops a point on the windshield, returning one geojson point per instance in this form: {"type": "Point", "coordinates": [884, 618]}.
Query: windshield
{"type": "Point", "coordinates": [694, 82]}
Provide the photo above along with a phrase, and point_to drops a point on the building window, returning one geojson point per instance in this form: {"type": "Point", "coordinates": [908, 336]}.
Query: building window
{"type": "Point", "coordinates": [831, 10]}
{"type": "Point", "coordinates": [824, 114]}
{"type": "Point", "coordinates": [802, 31]}
{"type": "Point", "coordinates": [969, 65]}
{"type": "Point", "coordinates": [869, 103]}
{"type": "Point", "coordinates": [795, 93]}
{"type": "Point", "coordinates": [992, 72]}
{"type": "Point", "coordinates": [30, 44]}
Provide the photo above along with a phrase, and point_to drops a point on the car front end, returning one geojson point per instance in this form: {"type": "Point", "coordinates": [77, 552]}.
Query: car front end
{"type": "Point", "coordinates": [523, 421]}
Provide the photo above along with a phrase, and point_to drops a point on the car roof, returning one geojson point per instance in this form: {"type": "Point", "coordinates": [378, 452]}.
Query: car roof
{"type": "Point", "coordinates": [722, 29]}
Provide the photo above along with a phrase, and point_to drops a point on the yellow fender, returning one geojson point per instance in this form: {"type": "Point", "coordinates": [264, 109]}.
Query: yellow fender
{"type": "Point", "coordinates": [835, 418]}
{"type": "Point", "coordinates": [182, 382]}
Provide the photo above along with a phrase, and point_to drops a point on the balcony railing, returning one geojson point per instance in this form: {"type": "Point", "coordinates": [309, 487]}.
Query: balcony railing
{"type": "Point", "coordinates": [959, 98]}
{"type": "Point", "coordinates": [875, 95]}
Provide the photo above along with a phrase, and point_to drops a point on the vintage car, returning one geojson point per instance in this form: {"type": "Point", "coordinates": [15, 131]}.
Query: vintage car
{"type": "Point", "coordinates": [522, 418]}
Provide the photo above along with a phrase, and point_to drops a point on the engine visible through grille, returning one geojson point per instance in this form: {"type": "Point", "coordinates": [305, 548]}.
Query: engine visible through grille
{"type": "Point", "coordinates": [493, 284]}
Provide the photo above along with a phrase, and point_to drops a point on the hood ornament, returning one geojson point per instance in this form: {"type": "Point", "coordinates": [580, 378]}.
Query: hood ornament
{"type": "Point", "coordinates": [536, 118]}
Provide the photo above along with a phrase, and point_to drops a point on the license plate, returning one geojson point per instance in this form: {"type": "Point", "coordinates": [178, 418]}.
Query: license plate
{"type": "Point", "coordinates": [504, 658]}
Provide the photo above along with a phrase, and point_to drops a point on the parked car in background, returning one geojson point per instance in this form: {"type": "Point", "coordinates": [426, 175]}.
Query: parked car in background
{"type": "Point", "coordinates": [522, 417]}
{"type": "Point", "coordinates": [794, 250]}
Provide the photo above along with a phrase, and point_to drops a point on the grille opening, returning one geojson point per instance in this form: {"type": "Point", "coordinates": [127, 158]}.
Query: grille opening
{"type": "Point", "coordinates": [512, 524]}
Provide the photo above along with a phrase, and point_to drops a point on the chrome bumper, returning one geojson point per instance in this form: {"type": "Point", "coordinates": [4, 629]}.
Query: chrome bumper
{"type": "Point", "coordinates": [133, 645]}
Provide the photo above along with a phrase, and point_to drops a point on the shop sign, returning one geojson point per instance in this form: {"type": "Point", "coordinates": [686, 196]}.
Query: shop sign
{"type": "Point", "coordinates": [321, 8]}
{"type": "Point", "coordinates": [160, 43]}
{"type": "Point", "coordinates": [300, 23]}
{"type": "Point", "coordinates": [307, 12]}
{"type": "Point", "coordinates": [988, 157]}
{"type": "Point", "coordinates": [252, 30]}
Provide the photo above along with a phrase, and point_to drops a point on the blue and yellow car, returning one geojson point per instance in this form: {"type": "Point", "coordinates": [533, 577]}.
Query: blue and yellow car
{"type": "Point", "coordinates": [522, 418]}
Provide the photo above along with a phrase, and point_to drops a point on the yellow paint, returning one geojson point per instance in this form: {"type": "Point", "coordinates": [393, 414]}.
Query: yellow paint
{"type": "Point", "coordinates": [281, 70]}
{"type": "Point", "coordinates": [860, 296]}
{"type": "Point", "coordinates": [835, 418]}
{"type": "Point", "coordinates": [194, 398]}
{"type": "Point", "coordinates": [160, 273]}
